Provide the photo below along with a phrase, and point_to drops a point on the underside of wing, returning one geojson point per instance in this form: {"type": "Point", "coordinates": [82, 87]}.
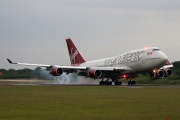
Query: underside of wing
{"type": "Point", "coordinates": [101, 72]}
{"type": "Point", "coordinates": [111, 69]}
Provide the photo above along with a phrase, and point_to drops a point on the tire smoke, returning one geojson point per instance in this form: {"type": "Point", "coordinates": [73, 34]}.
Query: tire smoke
{"type": "Point", "coordinates": [71, 78]}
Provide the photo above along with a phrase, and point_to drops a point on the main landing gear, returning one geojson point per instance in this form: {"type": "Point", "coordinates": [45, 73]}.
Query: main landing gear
{"type": "Point", "coordinates": [109, 82]}
{"type": "Point", "coordinates": [106, 82]}
{"type": "Point", "coordinates": [116, 82]}
{"type": "Point", "coordinates": [131, 82]}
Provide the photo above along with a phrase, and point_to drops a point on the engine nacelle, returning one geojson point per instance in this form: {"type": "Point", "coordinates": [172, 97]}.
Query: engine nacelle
{"type": "Point", "coordinates": [95, 73]}
{"type": "Point", "coordinates": [157, 74]}
{"type": "Point", "coordinates": [160, 74]}
{"type": "Point", "coordinates": [168, 72]}
{"type": "Point", "coordinates": [56, 71]}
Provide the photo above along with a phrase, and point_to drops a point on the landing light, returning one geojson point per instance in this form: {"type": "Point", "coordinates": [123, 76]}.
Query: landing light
{"type": "Point", "coordinates": [145, 47]}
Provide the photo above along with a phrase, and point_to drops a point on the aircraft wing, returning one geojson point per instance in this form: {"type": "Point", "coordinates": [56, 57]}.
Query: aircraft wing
{"type": "Point", "coordinates": [28, 64]}
{"type": "Point", "coordinates": [49, 66]}
{"type": "Point", "coordinates": [167, 66]}
{"type": "Point", "coordinates": [105, 69]}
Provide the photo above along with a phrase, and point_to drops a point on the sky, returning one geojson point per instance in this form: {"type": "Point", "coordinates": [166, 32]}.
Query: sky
{"type": "Point", "coordinates": [34, 31]}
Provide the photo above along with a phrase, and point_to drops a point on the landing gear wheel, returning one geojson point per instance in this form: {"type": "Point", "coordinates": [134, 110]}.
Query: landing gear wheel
{"type": "Point", "coordinates": [110, 83]}
{"type": "Point", "coordinates": [118, 83]}
{"type": "Point", "coordinates": [131, 82]}
{"type": "Point", "coordinates": [134, 82]}
{"type": "Point", "coordinates": [105, 82]}
{"type": "Point", "coordinates": [101, 83]}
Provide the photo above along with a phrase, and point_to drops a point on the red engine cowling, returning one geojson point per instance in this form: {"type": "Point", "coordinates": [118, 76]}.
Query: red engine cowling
{"type": "Point", "coordinates": [56, 71]}
{"type": "Point", "coordinates": [95, 73]}
{"type": "Point", "coordinates": [168, 72]}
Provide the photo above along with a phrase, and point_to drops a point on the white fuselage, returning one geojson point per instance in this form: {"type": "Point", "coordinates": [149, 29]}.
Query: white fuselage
{"type": "Point", "coordinates": [141, 60]}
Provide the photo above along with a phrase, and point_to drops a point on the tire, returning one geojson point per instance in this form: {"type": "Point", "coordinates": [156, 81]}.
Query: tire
{"type": "Point", "coordinates": [110, 83]}
{"type": "Point", "coordinates": [120, 83]}
{"type": "Point", "coordinates": [133, 82]}
{"type": "Point", "coordinates": [115, 83]}
{"type": "Point", "coordinates": [101, 82]}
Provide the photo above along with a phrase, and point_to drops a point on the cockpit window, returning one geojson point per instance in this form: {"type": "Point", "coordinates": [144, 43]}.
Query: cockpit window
{"type": "Point", "coordinates": [156, 49]}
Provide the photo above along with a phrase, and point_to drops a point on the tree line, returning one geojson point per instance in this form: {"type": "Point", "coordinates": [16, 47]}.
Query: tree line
{"type": "Point", "coordinates": [26, 73]}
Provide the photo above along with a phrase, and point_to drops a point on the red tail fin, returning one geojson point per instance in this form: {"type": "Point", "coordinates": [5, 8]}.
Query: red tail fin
{"type": "Point", "coordinates": [74, 54]}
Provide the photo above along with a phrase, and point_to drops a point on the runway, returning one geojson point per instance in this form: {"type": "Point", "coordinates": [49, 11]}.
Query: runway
{"type": "Point", "coordinates": [52, 83]}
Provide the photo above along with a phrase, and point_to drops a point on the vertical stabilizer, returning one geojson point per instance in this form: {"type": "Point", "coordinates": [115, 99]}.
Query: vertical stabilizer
{"type": "Point", "coordinates": [74, 54]}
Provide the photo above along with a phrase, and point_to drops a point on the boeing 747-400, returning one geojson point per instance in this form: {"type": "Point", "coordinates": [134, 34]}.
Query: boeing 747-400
{"type": "Point", "coordinates": [126, 65]}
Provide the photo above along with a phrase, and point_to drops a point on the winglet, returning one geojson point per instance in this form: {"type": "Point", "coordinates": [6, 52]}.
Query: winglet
{"type": "Point", "coordinates": [9, 61]}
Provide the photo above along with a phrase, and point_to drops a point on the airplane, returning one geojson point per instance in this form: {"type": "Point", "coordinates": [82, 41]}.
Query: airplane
{"type": "Point", "coordinates": [126, 65]}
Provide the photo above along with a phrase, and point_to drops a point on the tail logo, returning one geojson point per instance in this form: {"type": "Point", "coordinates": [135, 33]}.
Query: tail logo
{"type": "Point", "coordinates": [73, 56]}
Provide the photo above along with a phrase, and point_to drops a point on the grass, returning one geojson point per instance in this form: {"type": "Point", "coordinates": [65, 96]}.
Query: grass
{"type": "Point", "coordinates": [89, 103]}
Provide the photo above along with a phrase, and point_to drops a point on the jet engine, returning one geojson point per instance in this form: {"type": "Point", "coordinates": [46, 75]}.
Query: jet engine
{"type": "Point", "coordinates": [56, 71]}
{"type": "Point", "coordinates": [168, 72]}
{"type": "Point", "coordinates": [95, 73]}
{"type": "Point", "coordinates": [160, 74]}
